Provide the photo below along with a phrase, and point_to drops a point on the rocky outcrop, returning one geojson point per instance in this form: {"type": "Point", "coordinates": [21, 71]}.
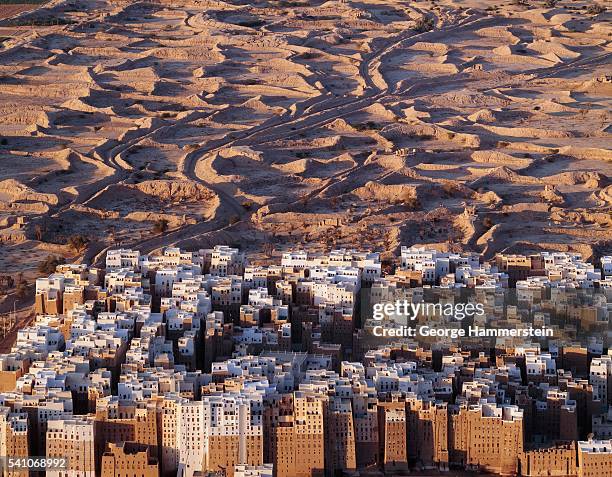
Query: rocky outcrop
{"type": "Point", "coordinates": [14, 191]}
{"type": "Point", "coordinates": [175, 191]}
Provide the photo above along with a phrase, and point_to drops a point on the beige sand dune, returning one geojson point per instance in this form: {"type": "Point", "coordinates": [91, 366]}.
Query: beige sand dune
{"type": "Point", "coordinates": [438, 49]}
{"type": "Point", "coordinates": [175, 191]}
{"type": "Point", "coordinates": [499, 115]}
{"type": "Point", "coordinates": [552, 196]}
{"type": "Point", "coordinates": [535, 133]}
{"type": "Point", "coordinates": [500, 33]}
{"type": "Point", "coordinates": [589, 178]}
{"type": "Point", "coordinates": [498, 157]}
{"type": "Point", "coordinates": [502, 174]}
{"type": "Point", "coordinates": [603, 197]}
{"type": "Point", "coordinates": [587, 153]}
{"type": "Point", "coordinates": [377, 191]}
{"type": "Point", "coordinates": [554, 47]}
{"type": "Point", "coordinates": [13, 191]}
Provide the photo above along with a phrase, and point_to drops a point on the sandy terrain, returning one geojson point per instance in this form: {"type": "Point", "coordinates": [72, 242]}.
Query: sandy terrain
{"type": "Point", "coordinates": [459, 124]}
{"type": "Point", "coordinates": [10, 10]}
{"type": "Point", "coordinates": [13, 9]}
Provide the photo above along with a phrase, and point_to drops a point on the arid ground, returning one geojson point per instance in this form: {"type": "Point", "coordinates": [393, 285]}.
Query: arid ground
{"type": "Point", "coordinates": [472, 124]}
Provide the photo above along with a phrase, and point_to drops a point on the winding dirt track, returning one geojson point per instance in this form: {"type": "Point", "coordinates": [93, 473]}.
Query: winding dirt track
{"type": "Point", "coordinates": [328, 109]}
{"type": "Point", "coordinates": [325, 110]}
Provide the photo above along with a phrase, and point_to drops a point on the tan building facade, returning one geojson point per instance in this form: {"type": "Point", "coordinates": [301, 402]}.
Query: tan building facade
{"type": "Point", "coordinates": [297, 441]}
{"type": "Point", "coordinates": [487, 437]}
{"type": "Point", "coordinates": [72, 439]}
{"type": "Point", "coordinates": [339, 436]}
{"type": "Point", "coordinates": [129, 459]}
{"type": "Point", "coordinates": [427, 433]}
{"type": "Point", "coordinates": [559, 461]}
{"type": "Point", "coordinates": [393, 450]}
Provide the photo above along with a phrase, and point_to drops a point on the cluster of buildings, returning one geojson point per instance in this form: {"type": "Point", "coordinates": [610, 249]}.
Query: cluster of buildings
{"type": "Point", "coordinates": [197, 363]}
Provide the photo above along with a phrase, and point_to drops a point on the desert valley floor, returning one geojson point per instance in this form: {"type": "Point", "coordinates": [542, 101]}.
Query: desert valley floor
{"type": "Point", "coordinates": [472, 124]}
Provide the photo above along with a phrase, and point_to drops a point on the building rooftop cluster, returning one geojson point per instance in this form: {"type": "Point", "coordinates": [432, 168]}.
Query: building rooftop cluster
{"type": "Point", "coordinates": [191, 363]}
